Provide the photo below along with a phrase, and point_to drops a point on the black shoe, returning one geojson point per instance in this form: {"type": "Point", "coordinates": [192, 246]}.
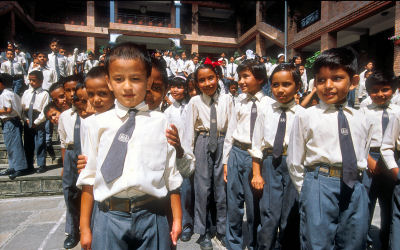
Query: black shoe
{"type": "Point", "coordinates": [8, 171]}
{"type": "Point", "coordinates": [41, 169]}
{"type": "Point", "coordinates": [187, 233]}
{"type": "Point", "coordinates": [18, 173]}
{"type": "Point", "coordinates": [222, 239]}
{"type": "Point", "coordinates": [51, 152]}
{"type": "Point", "coordinates": [205, 242]}
{"type": "Point", "coordinates": [71, 241]}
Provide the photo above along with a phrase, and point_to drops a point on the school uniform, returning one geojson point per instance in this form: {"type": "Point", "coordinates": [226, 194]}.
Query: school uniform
{"type": "Point", "coordinates": [333, 214]}
{"type": "Point", "coordinates": [237, 141]}
{"type": "Point", "coordinates": [34, 137]}
{"type": "Point", "coordinates": [12, 130]}
{"type": "Point", "coordinates": [268, 65]}
{"type": "Point", "coordinates": [89, 64]}
{"type": "Point", "coordinates": [389, 152]}
{"type": "Point", "coordinates": [380, 186]}
{"type": "Point", "coordinates": [168, 62]}
{"type": "Point", "coordinates": [278, 203]}
{"type": "Point", "coordinates": [69, 132]}
{"type": "Point", "coordinates": [231, 71]}
{"type": "Point", "coordinates": [191, 67]}
{"type": "Point", "coordinates": [59, 65]}
{"type": "Point", "coordinates": [148, 174]}
{"type": "Point", "coordinates": [49, 77]}
{"type": "Point", "coordinates": [16, 70]}
{"type": "Point", "coordinates": [175, 67]}
{"type": "Point", "coordinates": [304, 78]}
{"type": "Point", "coordinates": [207, 148]}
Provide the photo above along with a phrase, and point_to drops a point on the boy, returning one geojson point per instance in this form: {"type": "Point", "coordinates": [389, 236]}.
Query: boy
{"type": "Point", "coordinates": [236, 159]}
{"type": "Point", "coordinates": [327, 154]}
{"type": "Point", "coordinates": [56, 61]}
{"type": "Point", "coordinates": [130, 181]}
{"type": "Point", "coordinates": [69, 131]}
{"type": "Point", "coordinates": [58, 97]}
{"type": "Point", "coordinates": [231, 73]}
{"type": "Point", "coordinates": [10, 112]}
{"type": "Point", "coordinates": [90, 63]}
{"type": "Point", "coordinates": [362, 92]}
{"type": "Point", "coordinates": [14, 69]}
{"type": "Point", "coordinates": [33, 102]}
{"type": "Point", "coordinates": [52, 113]}
{"type": "Point", "coordinates": [380, 87]}
{"type": "Point", "coordinates": [233, 92]}
{"type": "Point", "coordinates": [70, 83]}
{"type": "Point", "coordinates": [49, 75]}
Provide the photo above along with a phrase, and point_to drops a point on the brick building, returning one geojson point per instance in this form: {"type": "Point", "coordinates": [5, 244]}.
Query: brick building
{"type": "Point", "coordinates": [209, 27]}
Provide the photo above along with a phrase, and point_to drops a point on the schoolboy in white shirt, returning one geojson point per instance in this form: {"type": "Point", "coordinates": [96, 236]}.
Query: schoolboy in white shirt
{"type": "Point", "coordinates": [56, 61]}
{"type": "Point", "coordinates": [327, 154]}
{"type": "Point", "coordinates": [15, 69]}
{"type": "Point", "coordinates": [90, 62]}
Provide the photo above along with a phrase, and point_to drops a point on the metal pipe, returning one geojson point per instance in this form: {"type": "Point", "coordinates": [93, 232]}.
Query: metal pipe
{"type": "Point", "coordinates": [286, 31]}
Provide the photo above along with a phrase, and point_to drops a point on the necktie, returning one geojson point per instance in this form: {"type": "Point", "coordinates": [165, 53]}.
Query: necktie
{"type": "Point", "coordinates": [56, 66]}
{"type": "Point", "coordinates": [253, 116]}
{"type": "Point", "coordinates": [213, 140]}
{"type": "Point", "coordinates": [30, 110]}
{"type": "Point", "coordinates": [349, 160]}
{"type": "Point", "coordinates": [385, 120]}
{"type": "Point", "coordinates": [231, 69]}
{"type": "Point", "coordinates": [77, 135]}
{"type": "Point", "coordinates": [11, 68]}
{"type": "Point", "coordinates": [280, 135]}
{"type": "Point", "coordinates": [113, 165]}
{"type": "Point", "coordinates": [182, 107]}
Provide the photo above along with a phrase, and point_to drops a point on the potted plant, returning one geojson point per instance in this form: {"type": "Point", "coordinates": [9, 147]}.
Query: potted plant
{"type": "Point", "coordinates": [72, 22]}
{"type": "Point", "coordinates": [150, 23]}
{"type": "Point", "coordinates": [140, 22]}
{"type": "Point", "coordinates": [160, 24]}
{"type": "Point", "coordinates": [395, 39]}
{"type": "Point", "coordinates": [119, 20]}
{"type": "Point", "coordinates": [130, 21]}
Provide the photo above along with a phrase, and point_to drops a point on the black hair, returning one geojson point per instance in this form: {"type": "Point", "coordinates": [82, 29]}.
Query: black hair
{"type": "Point", "coordinates": [55, 40]}
{"type": "Point", "coordinates": [335, 58]}
{"type": "Point", "coordinates": [381, 78]}
{"type": "Point", "coordinates": [217, 70]}
{"type": "Point", "coordinates": [49, 106]}
{"type": "Point", "coordinates": [189, 79]}
{"type": "Point", "coordinates": [289, 67]}
{"type": "Point", "coordinates": [161, 67]}
{"type": "Point", "coordinates": [38, 74]}
{"type": "Point", "coordinates": [41, 52]}
{"type": "Point", "coordinates": [179, 81]}
{"type": "Point", "coordinates": [233, 83]}
{"type": "Point", "coordinates": [295, 57]}
{"type": "Point", "coordinates": [256, 68]}
{"type": "Point", "coordinates": [55, 86]}
{"type": "Point", "coordinates": [12, 50]}
{"type": "Point", "coordinates": [6, 80]}
{"type": "Point", "coordinates": [128, 51]}
{"type": "Point", "coordinates": [193, 55]}
{"type": "Point", "coordinates": [96, 72]}
{"type": "Point", "coordinates": [78, 87]}
{"type": "Point", "coordinates": [72, 78]}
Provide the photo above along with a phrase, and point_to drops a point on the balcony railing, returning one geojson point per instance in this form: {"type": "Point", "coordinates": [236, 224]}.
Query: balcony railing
{"type": "Point", "coordinates": [144, 20]}
{"type": "Point", "coordinates": [310, 19]}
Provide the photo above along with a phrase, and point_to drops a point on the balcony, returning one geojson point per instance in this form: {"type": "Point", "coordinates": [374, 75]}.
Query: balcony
{"type": "Point", "coordinates": [144, 20]}
{"type": "Point", "coordinates": [314, 17]}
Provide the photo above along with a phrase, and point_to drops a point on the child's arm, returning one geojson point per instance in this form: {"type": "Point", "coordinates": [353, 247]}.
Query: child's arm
{"type": "Point", "coordinates": [174, 140]}
{"type": "Point", "coordinates": [176, 216]}
{"type": "Point", "coordinates": [81, 163]}
{"type": "Point", "coordinates": [256, 153]}
{"type": "Point", "coordinates": [86, 215]}
{"type": "Point", "coordinates": [41, 118]}
{"type": "Point", "coordinates": [5, 110]}
{"type": "Point", "coordinates": [308, 98]}
{"type": "Point", "coordinates": [388, 147]}
{"type": "Point", "coordinates": [257, 182]}
{"type": "Point", "coordinates": [372, 165]}
{"type": "Point", "coordinates": [228, 142]}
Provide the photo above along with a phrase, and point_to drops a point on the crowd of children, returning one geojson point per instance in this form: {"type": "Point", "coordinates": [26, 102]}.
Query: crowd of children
{"type": "Point", "coordinates": [155, 149]}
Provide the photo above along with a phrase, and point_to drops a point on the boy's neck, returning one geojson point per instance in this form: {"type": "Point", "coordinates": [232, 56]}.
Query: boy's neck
{"type": "Point", "coordinates": [253, 93]}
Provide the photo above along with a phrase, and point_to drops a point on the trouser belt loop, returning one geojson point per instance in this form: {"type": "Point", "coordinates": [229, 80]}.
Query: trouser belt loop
{"type": "Point", "coordinates": [316, 172]}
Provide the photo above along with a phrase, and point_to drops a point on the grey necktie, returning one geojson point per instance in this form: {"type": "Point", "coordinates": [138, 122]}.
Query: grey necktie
{"type": "Point", "coordinates": [12, 73]}
{"type": "Point", "coordinates": [77, 135]}
{"type": "Point", "coordinates": [253, 117]}
{"type": "Point", "coordinates": [56, 66]}
{"type": "Point", "coordinates": [280, 135]}
{"type": "Point", "coordinates": [349, 159]}
{"type": "Point", "coordinates": [213, 140]}
{"type": "Point", "coordinates": [231, 69]}
{"type": "Point", "coordinates": [113, 165]}
{"type": "Point", "coordinates": [385, 120]}
{"type": "Point", "coordinates": [30, 110]}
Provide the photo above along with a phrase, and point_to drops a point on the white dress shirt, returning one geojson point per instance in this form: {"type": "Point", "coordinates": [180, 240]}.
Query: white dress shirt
{"type": "Point", "coordinates": [168, 62]}
{"type": "Point", "coordinates": [41, 100]}
{"type": "Point", "coordinates": [271, 69]}
{"type": "Point", "coordinates": [268, 66]}
{"type": "Point", "coordinates": [231, 71]}
{"type": "Point", "coordinates": [62, 63]}
{"type": "Point", "coordinates": [49, 77]}
{"type": "Point", "coordinates": [150, 161]}
{"type": "Point", "coordinates": [9, 99]}
{"type": "Point", "coordinates": [391, 141]}
{"type": "Point", "coordinates": [89, 64]}
{"type": "Point", "coordinates": [373, 113]}
{"type": "Point", "coordinates": [190, 67]}
{"type": "Point", "coordinates": [304, 79]}
{"type": "Point", "coordinates": [86, 125]}
{"type": "Point", "coordinates": [362, 91]}
{"type": "Point", "coordinates": [315, 139]}
{"type": "Point", "coordinates": [66, 124]}
{"type": "Point", "coordinates": [266, 125]}
{"type": "Point", "coordinates": [175, 67]}
{"type": "Point", "coordinates": [239, 123]}
{"type": "Point", "coordinates": [198, 114]}
{"type": "Point", "coordinates": [6, 68]}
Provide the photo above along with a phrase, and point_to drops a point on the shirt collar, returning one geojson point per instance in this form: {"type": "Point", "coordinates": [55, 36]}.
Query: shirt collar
{"type": "Point", "coordinates": [207, 99]}
{"type": "Point", "coordinates": [332, 107]}
{"type": "Point", "coordinates": [121, 110]}
{"type": "Point", "coordinates": [388, 105]}
{"type": "Point", "coordinates": [258, 95]}
{"type": "Point", "coordinates": [38, 90]}
{"type": "Point", "coordinates": [289, 106]}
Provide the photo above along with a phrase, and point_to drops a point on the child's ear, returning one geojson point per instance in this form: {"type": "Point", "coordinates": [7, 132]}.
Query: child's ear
{"type": "Point", "coordinates": [354, 82]}
{"type": "Point", "coordinates": [109, 83]}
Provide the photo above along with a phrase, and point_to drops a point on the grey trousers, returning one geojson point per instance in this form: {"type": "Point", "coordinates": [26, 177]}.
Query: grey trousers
{"type": "Point", "coordinates": [142, 230]}
{"type": "Point", "coordinates": [209, 181]}
{"type": "Point", "coordinates": [72, 194]}
{"type": "Point", "coordinates": [13, 141]}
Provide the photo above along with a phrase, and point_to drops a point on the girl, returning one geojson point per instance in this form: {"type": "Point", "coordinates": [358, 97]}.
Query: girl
{"type": "Point", "coordinates": [193, 90]}
{"type": "Point", "coordinates": [208, 116]}
{"type": "Point", "coordinates": [270, 140]}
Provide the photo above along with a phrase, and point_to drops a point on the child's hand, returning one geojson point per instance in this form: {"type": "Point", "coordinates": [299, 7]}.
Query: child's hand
{"type": "Point", "coordinates": [395, 173]}
{"type": "Point", "coordinates": [257, 182]}
{"type": "Point", "coordinates": [176, 231]}
{"type": "Point", "coordinates": [86, 239]}
{"type": "Point", "coordinates": [225, 173]}
{"type": "Point", "coordinates": [373, 167]}
{"type": "Point", "coordinates": [81, 163]}
{"type": "Point", "coordinates": [174, 140]}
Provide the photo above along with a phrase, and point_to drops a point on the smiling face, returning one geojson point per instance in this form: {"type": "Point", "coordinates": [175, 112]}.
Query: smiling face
{"type": "Point", "coordinates": [100, 96]}
{"type": "Point", "coordinates": [207, 81]}
{"type": "Point", "coordinates": [69, 89]}
{"type": "Point", "coordinates": [59, 99]}
{"type": "Point", "coordinates": [248, 83]}
{"type": "Point", "coordinates": [177, 92]}
{"type": "Point", "coordinates": [381, 94]}
{"type": "Point", "coordinates": [283, 86]}
{"type": "Point", "coordinates": [333, 85]}
{"type": "Point", "coordinates": [128, 81]}
{"type": "Point", "coordinates": [53, 114]}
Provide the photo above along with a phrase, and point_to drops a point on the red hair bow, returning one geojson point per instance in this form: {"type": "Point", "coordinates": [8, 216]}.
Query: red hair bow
{"type": "Point", "coordinates": [208, 61]}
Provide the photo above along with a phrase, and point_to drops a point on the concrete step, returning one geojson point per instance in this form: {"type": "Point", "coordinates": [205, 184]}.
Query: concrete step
{"type": "Point", "coordinates": [49, 161]}
{"type": "Point", "coordinates": [48, 183]}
